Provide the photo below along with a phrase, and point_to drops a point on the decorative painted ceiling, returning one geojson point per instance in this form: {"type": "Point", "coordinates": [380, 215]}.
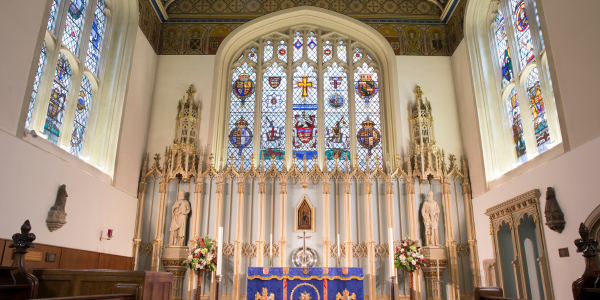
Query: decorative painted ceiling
{"type": "Point", "coordinates": [413, 27]}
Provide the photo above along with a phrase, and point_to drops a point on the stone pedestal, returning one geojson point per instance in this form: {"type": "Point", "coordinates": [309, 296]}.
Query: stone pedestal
{"type": "Point", "coordinates": [433, 291]}
{"type": "Point", "coordinates": [172, 261]}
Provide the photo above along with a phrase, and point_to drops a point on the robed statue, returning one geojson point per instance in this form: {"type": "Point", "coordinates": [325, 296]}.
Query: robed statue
{"type": "Point", "coordinates": [180, 209]}
{"type": "Point", "coordinates": [431, 218]}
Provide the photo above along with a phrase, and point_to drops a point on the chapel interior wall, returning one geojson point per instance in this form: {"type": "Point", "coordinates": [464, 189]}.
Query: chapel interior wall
{"type": "Point", "coordinates": [34, 168]}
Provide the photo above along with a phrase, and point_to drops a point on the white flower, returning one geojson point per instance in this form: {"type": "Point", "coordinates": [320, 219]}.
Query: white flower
{"type": "Point", "coordinates": [190, 257]}
{"type": "Point", "coordinates": [414, 262]}
{"type": "Point", "coordinates": [197, 251]}
{"type": "Point", "coordinates": [209, 256]}
{"type": "Point", "coordinates": [197, 267]}
{"type": "Point", "coordinates": [402, 257]}
{"type": "Point", "coordinates": [414, 255]}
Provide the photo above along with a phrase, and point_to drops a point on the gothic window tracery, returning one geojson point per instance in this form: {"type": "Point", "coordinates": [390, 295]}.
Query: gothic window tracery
{"type": "Point", "coordinates": [305, 106]}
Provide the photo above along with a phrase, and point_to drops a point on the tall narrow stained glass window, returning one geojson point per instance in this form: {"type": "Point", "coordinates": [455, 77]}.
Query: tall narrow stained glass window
{"type": "Point", "coordinates": [538, 111]}
{"type": "Point", "coordinates": [272, 140]}
{"type": "Point", "coordinates": [81, 115]}
{"type": "Point", "coordinates": [335, 103]}
{"type": "Point", "coordinates": [241, 119]}
{"type": "Point", "coordinates": [74, 25]}
{"type": "Point", "coordinates": [36, 85]}
{"type": "Point", "coordinates": [503, 49]}
{"type": "Point", "coordinates": [521, 23]}
{"type": "Point", "coordinates": [514, 116]}
{"type": "Point", "coordinates": [305, 106]}
{"type": "Point", "coordinates": [368, 120]}
{"type": "Point", "coordinates": [95, 44]}
{"type": "Point", "coordinates": [52, 17]}
{"type": "Point", "coordinates": [58, 99]}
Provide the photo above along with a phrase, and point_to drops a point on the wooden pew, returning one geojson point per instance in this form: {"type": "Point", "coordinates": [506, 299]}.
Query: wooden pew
{"type": "Point", "coordinates": [123, 292]}
{"type": "Point", "coordinates": [588, 285]}
{"type": "Point", "coordinates": [489, 293]}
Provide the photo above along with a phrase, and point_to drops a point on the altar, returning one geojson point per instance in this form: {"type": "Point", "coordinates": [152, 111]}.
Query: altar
{"type": "Point", "coordinates": [305, 283]}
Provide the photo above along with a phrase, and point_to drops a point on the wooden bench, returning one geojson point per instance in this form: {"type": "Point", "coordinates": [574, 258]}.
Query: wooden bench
{"type": "Point", "coordinates": [588, 285]}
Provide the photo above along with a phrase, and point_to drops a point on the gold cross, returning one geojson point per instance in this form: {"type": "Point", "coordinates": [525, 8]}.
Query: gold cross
{"type": "Point", "coordinates": [190, 91]}
{"type": "Point", "coordinates": [304, 84]}
{"type": "Point", "coordinates": [418, 92]}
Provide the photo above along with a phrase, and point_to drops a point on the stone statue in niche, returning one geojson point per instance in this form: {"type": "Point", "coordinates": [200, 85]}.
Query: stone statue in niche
{"type": "Point", "coordinates": [180, 210]}
{"type": "Point", "coordinates": [555, 218]}
{"type": "Point", "coordinates": [57, 217]}
{"type": "Point", "coordinates": [431, 218]}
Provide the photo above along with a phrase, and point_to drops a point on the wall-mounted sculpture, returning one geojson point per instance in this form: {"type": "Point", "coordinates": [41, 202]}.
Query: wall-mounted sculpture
{"type": "Point", "coordinates": [57, 217]}
{"type": "Point", "coordinates": [181, 210]}
{"type": "Point", "coordinates": [555, 218]}
{"type": "Point", "coordinates": [431, 218]}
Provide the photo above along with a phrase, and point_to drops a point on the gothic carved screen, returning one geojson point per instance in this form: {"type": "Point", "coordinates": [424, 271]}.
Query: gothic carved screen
{"type": "Point", "coordinates": [317, 98]}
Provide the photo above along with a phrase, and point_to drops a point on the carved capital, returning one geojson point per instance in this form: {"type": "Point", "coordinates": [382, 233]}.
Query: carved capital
{"type": "Point", "coordinates": [220, 185]}
{"type": "Point", "coordinates": [262, 187]}
{"type": "Point", "coordinates": [198, 187]}
{"type": "Point", "coordinates": [326, 188]}
{"type": "Point", "coordinates": [410, 188]}
{"type": "Point", "coordinates": [446, 188]}
{"type": "Point", "coordinates": [162, 187]}
{"type": "Point", "coordinates": [283, 187]}
{"type": "Point", "coordinates": [389, 188]}
{"type": "Point", "coordinates": [241, 187]}
{"type": "Point", "coordinates": [347, 187]}
{"type": "Point", "coordinates": [142, 187]}
{"type": "Point", "coordinates": [368, 187]}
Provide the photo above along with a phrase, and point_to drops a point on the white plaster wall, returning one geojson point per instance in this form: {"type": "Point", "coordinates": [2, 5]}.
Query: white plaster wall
{"type": "Point", "coordinates": [573, 176]}
{"type": "Point", "coordinates": [174, 74]}
{"type": "Point", "coordinates": [136, 116]}
{"type": "Point", "coordinates": [434, 75]}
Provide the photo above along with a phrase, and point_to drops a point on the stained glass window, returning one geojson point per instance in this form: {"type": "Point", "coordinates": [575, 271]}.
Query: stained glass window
{"type": "Point", "coordinates": [241, 119]}
{"type": "Point", "coordinates": [521, 23]}
{"type": "Point", "coordinates": [95, 44]}
{"type": "Point", "coordinates": [368, 121]}
{"type": "Point", "coordinates": [268, 52]}
{"type": "Point", "coordinates": [538, 111]}
{"type": "Point", "coordinates": [304, 124]}
{"type": "Point", "coordinates": [341, 51]}
{"type": "Point", "coordinates": [52, 18]}
{"type": "Point", "coordinates": [272, 140]}
{"type": "Point", "coordinates": [327, 51]}
{"type": "Point", "coordinates": [81, 114]}
{"type": "Point", "coordinates": [357, 55]}
{"type": "Point", "coordinates": [297, 47]}
{"type": "Point", "coordinates": [503, 49]}
{"type": "Point", "coordinates": [36, 85]}
{"type": "Point", "coordinates": [253, 56]}
{"type": "Point", "coordinates": [311, 46]}
{"type": "Point", "coordinates": [537, 18]}
{"type": "Point", "coordinates": [337, 123]}
{"type": "Point", "coordinates": [282, 51]}
{"type": "Point", "coordinates": [58, 99]}
{"type": "Point", "coordinates": [74, 25]}
{"type": "Point", "coordinates": [514, 116]}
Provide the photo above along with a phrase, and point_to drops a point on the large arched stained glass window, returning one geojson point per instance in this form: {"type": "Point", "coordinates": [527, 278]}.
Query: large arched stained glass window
{"type": "Point", "coordinates": [74, 25]}
{"type": "Point", "coordinates": [95, 44]}
{"type": "Point", "coordinates": [36, 85]}
{"type": "Point", "coordinates": [503, 51]}
{"type": "Point", "coordinates": [58, 99]}
{"type": "Point", "coordinates": [514, 116]}
{"type": "Point", "coordinates": [538, 111]}
{"type": "Point", "coordinates": [241, 120]}
{"type": "Point", "coordinates": [306, 97]}
{"type": "Point", "coordinates": [521, 23]}
{"type": "Point", "coordinates": [81, 116]}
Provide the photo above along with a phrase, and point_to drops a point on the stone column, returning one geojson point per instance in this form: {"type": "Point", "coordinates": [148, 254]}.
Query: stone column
{"type": "Point", "coordinates": [196, 221]}
{"type": "Point", "coordinates": [159, 232]}
{"type": "Point", "coordinates": [348, 242]}
{"type": "Point", "coordinates": [413, 226]}
{"type": "Point", "coordinates": [282, 240]}
{"type": "Point", "coordinates": [137, 239]}
{"type": "Point", "coordinates": [372, 287]}
{"type": "Point", "coordinates": [219, 209]}
{"type": "Point", "coordinates": [326, 241]}
{"type": "Point", "coordinates": [475, 273]}
{"type": "Point", "coordinates": [239, 241]}
{"type": "Point", "coordinates": [260, 243]}
{"type": "Point", "coordinates": [451, 252]}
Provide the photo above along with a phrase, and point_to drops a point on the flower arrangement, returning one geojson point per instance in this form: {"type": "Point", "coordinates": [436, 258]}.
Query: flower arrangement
{"type": "Point", "coordinates": [202, 255]}
{"type": "Point", "coordinates": [409, 256]}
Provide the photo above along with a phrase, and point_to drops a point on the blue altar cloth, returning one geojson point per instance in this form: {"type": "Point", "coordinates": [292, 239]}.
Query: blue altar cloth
{"type": "Point", "coordinates": [294, 284]}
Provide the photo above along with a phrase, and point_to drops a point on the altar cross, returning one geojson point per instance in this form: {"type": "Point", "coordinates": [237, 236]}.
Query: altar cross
{"type": "Point", "coordinates": [304, 84]}
{"type": "Point", "coordinates": [304, 256]}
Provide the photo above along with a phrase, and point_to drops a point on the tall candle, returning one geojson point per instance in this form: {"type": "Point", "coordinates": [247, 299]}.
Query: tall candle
{"type": "Point", "coordinates": [437, 262]}
{"type": "Point", "coordinates": [391, 245]}
{"type": "Point", "coordinates": [271, 247]}
{"type": "Point", "coordinates": [219, 250]}
{"type": "Point", "coordinates": [338, 244]}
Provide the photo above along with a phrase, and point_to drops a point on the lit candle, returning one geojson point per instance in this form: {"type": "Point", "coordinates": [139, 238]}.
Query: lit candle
{"type": "Point", "coordinates": [219, 250]}
{"type": "Point", "coordinates": [437, 262]}
{"type": "Point", "coordinates": [391, 245]}
{"type": "Point", "coordinates": [338, 242]}
{"type": "Point", "coordinates": [271, 247]}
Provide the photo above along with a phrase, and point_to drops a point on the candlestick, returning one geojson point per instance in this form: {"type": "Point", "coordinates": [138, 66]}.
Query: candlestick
{"type": "Point", "coordinates": [219, 250]}
{"type": "Point", "coordinates": [437, 262]}
{"type": "Point", "coordinates": [391, 245]}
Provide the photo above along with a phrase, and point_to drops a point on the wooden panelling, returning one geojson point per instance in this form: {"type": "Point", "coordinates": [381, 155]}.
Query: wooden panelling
{"type": "Point", "coordinates": [78, 259]}
{"type": "Point", "coordinates": [2, 242]}
{"type": "Point", "coordinates": [114, 262]}
{"type": "Point", "coordinates": [7, 257]}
